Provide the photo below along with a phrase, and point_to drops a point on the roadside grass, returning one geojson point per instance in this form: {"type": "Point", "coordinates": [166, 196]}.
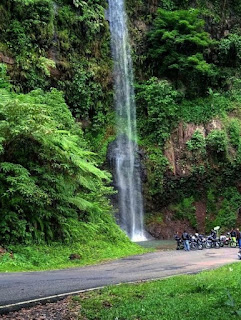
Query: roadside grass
{"type": "Point", "coordinates": [56, 255]}
{"type": "Point", "coordinates": [209, 295]}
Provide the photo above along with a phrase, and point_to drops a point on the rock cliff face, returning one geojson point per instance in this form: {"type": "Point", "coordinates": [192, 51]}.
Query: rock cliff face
{"type": "Point", "coordinates": [176, 150]}
{"type": "Point", "coordinates": [196, 175]}
{"type": "Point", "coordinates": [6, 59]}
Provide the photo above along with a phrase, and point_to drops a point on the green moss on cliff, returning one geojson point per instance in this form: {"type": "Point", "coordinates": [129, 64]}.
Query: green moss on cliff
{"type": "Point", "coordinates": [63, 44]}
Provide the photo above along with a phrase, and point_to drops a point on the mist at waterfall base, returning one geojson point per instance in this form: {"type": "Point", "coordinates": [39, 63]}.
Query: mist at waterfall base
{"type": "Point", "coordinates": [124, 153]}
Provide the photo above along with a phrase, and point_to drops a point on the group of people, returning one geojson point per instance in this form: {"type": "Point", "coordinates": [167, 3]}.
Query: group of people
{"type": "Point", "coordinates": [185, 237]}
{"type": "Point", "coordinates": [235, 235]}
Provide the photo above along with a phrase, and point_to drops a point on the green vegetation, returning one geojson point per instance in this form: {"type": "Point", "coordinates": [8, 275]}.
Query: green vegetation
{"type": "Point", "coordinates": [187, 60]}
{"type": "Point", "coordinates": [93, 245]}
{"type": "Point", "coordinates": [177, 43]}
{"type": "Point", "coordinates": [222, 207]}
{"type": "Point", "coordinates": [185, 210]}
{"type": "Point", "coordinates": [189, 113]}
{"type": "Point", "coordinates": [48, 177]}
{"type": "Point", "coordinates": [212, 294]}
{"type": "Point", "coordinates": [157, 109]}
{"type": "Point", "coordinates": [182, 34]}
{"type": "Point", "coordinates": [197, 143]}
{"type": "Point", "coordinates": [217, 142]}
{"type": "Point", "coordinates": [53, 196]}
{"type": "Point", "coordinates": [60, 43]}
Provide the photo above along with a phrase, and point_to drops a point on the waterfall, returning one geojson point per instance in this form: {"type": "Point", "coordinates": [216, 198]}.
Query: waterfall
{"type": "Point", "coordinates": [125, 154]}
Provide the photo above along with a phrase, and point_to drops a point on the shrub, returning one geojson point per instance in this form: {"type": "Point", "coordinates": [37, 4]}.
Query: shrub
{"type": "Point", "coordinates": [156, 166]}
{"type": "Point", "coordinates": [230, 50]}
{"type": "Point", "coordinates": [217, 141]}
{"type": "Point", "coordinates": [197, 142]}
{"type": "Point", "coordinates": [186, 210]}
{"type": "Point", "coordinates": [227, 214]}
{"type": "Point", "coordinates": [157, 106]}
{"type": "Point", "coordinates": [234, 132]}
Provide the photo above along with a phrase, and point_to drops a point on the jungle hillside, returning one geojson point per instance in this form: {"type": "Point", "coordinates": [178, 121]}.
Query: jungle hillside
{"type": "Point", "coordinates": [57, 121]}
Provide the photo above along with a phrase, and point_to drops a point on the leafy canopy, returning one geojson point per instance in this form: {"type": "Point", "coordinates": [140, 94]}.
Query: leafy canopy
{"type": "Point", "coordinates": [177, 43]}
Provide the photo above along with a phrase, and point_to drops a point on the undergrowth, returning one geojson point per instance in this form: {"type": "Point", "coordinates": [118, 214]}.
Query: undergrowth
{"type": "Point", "coordinates": [56, 255]}
{"type": "Point", "coordinates": [208, 295]}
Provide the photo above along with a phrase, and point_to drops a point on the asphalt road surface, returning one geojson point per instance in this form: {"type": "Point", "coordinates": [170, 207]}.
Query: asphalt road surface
{"type": "Point", "coordinates": [18, 288]}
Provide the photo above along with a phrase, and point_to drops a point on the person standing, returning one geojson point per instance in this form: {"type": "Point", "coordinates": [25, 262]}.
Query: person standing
{"type": "Point", "coordinates": [186, 238]}
{"type": "Point", "coordinates": [213, 234]}
{"type": "Point", "coordinates": [179, 241]}
{"type": "Point", "coordinates": [233, 235]}
{"type": "Point", "coordinates": [238, 235]}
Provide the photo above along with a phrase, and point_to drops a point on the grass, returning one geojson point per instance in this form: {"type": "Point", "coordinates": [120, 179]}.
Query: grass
{"type": "Point", "coordinates": [209, 295]}
{"type": "Point", "coordinates": [56, 256]}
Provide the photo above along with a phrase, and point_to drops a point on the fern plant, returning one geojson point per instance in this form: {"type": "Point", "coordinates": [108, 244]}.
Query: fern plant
{"type": "Point", "coordinates": [47, 175]}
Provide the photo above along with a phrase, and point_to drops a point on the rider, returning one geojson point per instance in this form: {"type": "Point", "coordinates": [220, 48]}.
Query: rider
{"type": "Point", "coordinates": [186, 238]}
{"type": "Point", "coordinates": [233, 234]}
{"type": "Point", "coordinates": [213, 234]}
{"type": "Point", "coordinates": [176, 236]}
{"type": "Point", "coordinates": [238, 237]}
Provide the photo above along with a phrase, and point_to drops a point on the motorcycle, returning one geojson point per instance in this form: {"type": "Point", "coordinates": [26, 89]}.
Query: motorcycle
{"type": "Point", "coordinates": [197, 241]}
{"type": "Point", "coordinates": [212, 243]}
{"type": "Point", "coordinates": [228, 241]}
{"type": "Point", "coordinates": [193, 243]}
{"type": "Point", "coordinates": [224, 240]}
{"type": "Point", "coordinates": [180, 245]}
{"type": "Point", "coordinates": [201, 242]}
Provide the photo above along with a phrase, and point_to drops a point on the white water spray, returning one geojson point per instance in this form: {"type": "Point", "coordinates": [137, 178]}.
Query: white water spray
{"type": "Point", "coordinates": [125, 158]}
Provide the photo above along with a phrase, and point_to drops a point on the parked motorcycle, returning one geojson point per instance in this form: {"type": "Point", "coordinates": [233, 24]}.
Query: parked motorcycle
{"type": "Point", "coordinates": [224, 240]}
{"type": "Point", "coordinates": [201, 241]}
{"type": "Point", "coordinates": [180, 244]}
{"type": "Point", "coordinates": [197, 241]}
{"type": "Point", "coordinates": [212, 243]}
{"type": "Point", "coordinates": [228, 241]}
{"type": "Point", "coordinates": [193, 243]}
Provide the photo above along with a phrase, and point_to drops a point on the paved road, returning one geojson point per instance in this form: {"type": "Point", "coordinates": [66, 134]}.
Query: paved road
{"type": "Point", "coordinates": [20, 287]}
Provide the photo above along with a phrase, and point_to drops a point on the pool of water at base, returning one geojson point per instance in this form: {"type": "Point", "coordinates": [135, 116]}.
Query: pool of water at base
{"type": "Point", "coordinates": [158, 244]}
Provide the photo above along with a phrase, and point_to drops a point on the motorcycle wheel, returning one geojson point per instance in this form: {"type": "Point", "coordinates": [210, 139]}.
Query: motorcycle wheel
{"type": "Point", "coordinates": [217, 245]}
{"type": "Point", "coordinates": [233, 244]}
{"type": "Point", "coordinates": [200, 247]}
{"type": "Point", "coordinates": [208, 245]}
{"type": "Point", "coordinates": [193, 246]}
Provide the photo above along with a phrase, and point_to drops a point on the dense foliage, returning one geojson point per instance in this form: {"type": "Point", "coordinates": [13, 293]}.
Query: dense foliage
{"type": "Point", "coordinates": [177, 44]}
{"type": "Point", "coordinates": [187, 59]}
{"type": "Point", "coordinates": [48, 177]}
{"type": "Point", "coordinates": [157, 109]}
{"type": "Point", "coordinates": [60, 43]}
{"type": "Point", "coordinates": [190, 130]}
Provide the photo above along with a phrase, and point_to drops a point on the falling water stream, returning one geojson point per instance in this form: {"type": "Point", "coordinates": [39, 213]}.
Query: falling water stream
{"type": "Point", "coordinates": [125, 154]}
